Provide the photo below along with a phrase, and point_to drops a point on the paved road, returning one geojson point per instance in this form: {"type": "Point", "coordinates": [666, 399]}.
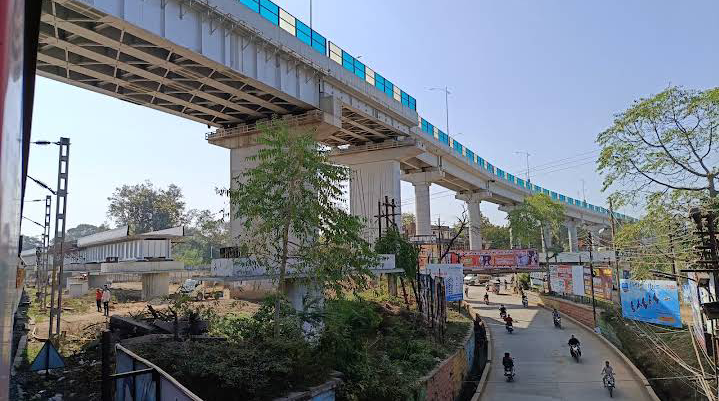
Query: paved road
{"type": "Point", "coordinates": [544, 368]}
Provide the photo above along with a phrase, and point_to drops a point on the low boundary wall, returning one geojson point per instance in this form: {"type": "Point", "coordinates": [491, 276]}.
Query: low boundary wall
{"type": "Point", "coordinates": [445, 382]}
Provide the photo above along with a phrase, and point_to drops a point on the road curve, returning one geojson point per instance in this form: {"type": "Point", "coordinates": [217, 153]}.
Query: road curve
{"type": "Point", "coordinates": [544, 369]}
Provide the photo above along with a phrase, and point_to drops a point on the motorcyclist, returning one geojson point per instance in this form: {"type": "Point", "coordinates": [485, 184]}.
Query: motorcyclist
{"type": "Point", "coordinates": [486, 297]}
{"type": "Point", "coordinates": [524, 298]}
{"type": "Point", "coordinates": [607, 371]}
{"type": "Point", "coordinates": [572, 342]}
{"type": "Point", "coordinates": [507, 362]}
{"type": "Point", "coordinates": [508, 321]}
{"type": "Point", "coordinates": [555, 313]}
{"type": "Point", "coordinates": [502, 310]}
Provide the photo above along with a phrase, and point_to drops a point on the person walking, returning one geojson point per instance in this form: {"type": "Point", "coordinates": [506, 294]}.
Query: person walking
{"type": "Point", "coordinates": [98, 299]}
{"type": "Point", "coordinates": [106, 300]}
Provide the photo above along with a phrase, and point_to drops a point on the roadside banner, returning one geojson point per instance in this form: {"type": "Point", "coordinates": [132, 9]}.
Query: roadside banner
{"type": "Point", "coordinates": [496, 258]}
{"type": "Point", "coordinates": [651, 301]}
{"type": "Point", "coordinates": [453, 279]}
{"type": "Point", "coordinates": [602, 283]}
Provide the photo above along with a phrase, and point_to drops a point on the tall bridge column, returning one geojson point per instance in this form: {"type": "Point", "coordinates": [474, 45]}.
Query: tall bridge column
{"type": "Point", "coordinates": [421, 182]}
{"type": "Point", "coordinates": [546, 239]}
{"type": "Point", "coordinates": [572, 235]}
{"type": "Point", "coordinates": [238, 166]}
{"type": "Point", "coordinates": [473, 200]}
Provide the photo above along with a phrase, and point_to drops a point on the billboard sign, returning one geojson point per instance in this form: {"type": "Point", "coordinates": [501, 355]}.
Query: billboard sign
{"type": "Point", "coordinates": [603, 283]}
{"type": "Point", "coordinates": [651, 301]}
{"type": "Point", "coordinates": [453, 279]}
{"type": "Point", "coordinates": [496, 258]}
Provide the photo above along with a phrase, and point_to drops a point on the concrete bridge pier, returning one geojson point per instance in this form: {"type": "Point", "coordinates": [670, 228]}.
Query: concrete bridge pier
{"type": "Point", "coordinates": [421, 182]}
{"type": "Point", "coordinates": [155, 285]}
{"type": "Point", "coordinates": [572, 235]}
{"type": "Point", "coordinates": [473, 200]}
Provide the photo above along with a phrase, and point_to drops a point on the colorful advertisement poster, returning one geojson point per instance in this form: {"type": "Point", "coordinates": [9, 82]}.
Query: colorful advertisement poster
{"type": "Point", "coordinates": [428, 253]}
{"type": "Point", "coordinates": [496, 258]}
{"type": "Point", "coordinates": [651, 301]}
{"type": "Point", "coordinates": [453, 279]}
{"type": "Point", "coordinates": [602, 283]}
{"type": "Point", "coordinates": [560, 277]}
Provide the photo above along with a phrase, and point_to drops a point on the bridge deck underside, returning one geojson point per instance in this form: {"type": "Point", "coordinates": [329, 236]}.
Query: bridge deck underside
{"type": "Point", "coordinates": [85, 48]}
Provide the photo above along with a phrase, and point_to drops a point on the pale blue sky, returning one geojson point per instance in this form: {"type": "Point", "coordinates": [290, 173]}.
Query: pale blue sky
{"type": "Point", "coordinates": [537, 76]}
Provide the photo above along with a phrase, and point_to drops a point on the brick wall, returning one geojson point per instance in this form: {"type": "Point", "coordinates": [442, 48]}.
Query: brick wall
{"type": "Point", "coordinates": [445, 382]}
{"type": "Point", "coordinates": [582, 313]}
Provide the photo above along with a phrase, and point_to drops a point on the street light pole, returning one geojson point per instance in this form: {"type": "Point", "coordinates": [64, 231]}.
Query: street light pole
{"type": "Point", "coordinates": [527, 156]}
{"type": "Point", "coordinates": [446, 103]}
{"type": "Point", "coordinates": [60, 219]}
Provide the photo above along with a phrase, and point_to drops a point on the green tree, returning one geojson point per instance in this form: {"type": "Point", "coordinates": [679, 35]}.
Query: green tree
{"type": "Point", "coordinates": [290, 205]}
{"type": "Point", "coordinates": [497, 236]}
{"type": "Point", "coordinates": [83, 230]}
{"type": "Point", "coordinates": [406, 254]}
{"type": "Point", "coordinates": [666, 145]}
{"type": "Point", "coordinates": [146, 208]}
{"type": "Point", "coordinates": [205, 234]}
{"type": "Point", "coordinates": [537, 213]}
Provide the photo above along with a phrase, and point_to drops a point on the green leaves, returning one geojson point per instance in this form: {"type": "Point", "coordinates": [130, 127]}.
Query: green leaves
{"type": "Point", "coordinates": [535, 213]}
{"type": "Point", "coordinates": [291, 208]}
{"type": "Point", "coordinates": [144, 208]}
{"type": "Point", "coordinates": [406, 254]}
{"type": "Point", "coordinates": [661, 144]}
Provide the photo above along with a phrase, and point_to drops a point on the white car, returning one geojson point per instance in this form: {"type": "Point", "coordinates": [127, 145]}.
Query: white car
{"type": "Point", "coordinates": [470, 279]}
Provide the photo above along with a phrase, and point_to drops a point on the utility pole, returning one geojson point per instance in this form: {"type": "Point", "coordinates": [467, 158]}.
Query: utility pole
{"type": "Point", "coordinates": [446, 102]}
{"type": "Point", "coordinates": [591, 278]}
{"type": "Point", "coordinates": [614, 250]}
{"type": "Point", "coordinates": [46, 249]}
{"type": "Point", "coordinates": [527, 156]}
{"type": "Point", "coordinates": [60, 220]}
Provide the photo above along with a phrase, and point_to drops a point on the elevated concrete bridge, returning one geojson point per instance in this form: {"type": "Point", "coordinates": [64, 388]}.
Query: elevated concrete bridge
{"type": "Point", "coordinates": [234, 64]}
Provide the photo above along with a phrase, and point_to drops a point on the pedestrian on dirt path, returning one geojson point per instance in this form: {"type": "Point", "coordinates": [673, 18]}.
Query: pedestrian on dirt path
{"type": "Point", "coordinates": [98, 299]}
{"type": "Point", "coordinates": [106, 300]}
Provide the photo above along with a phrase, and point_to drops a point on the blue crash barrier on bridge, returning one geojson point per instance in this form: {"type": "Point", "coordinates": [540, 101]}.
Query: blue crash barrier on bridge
{"type": "Point", "coordinates": [429, 129]}
{"type": "Point", "coordinates": [278, 16]}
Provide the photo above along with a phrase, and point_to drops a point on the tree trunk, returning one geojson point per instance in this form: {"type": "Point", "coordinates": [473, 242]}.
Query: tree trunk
{"type": "Point", "coordinates": [712, 188]}
{"type": "Point", "coordinates": [546, 257]}
{"type": "Point", "coordinates": [281, 284]}
{"type": "Point", "coordinates": [404, 291]}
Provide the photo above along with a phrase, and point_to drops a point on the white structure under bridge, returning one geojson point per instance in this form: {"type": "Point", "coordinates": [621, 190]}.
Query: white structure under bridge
{"type": "Point", "coordinates": [118, 252]}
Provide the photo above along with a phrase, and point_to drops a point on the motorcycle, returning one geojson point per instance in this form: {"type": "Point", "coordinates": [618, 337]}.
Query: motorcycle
{"type": "Point", "coordinates": [486, 301]}
{"type": "Point", "coordinates": [558, 322]}
{"type": "Point", "coordinates": [509, 373]}
{"type": "Point", "coordinates": [509, 328]}
{"type": "Point", "coordinates": [575, 351]}
{"type": "Point", "coordinates": [503, 314]}
{"type": "Point", "coordinates": [609, 384]}
{"type": "Point", "coordinates": [525, 302]}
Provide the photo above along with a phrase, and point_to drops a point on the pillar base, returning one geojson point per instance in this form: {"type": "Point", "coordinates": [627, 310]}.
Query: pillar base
{"type": "Point", "coordinates": [155, 285]}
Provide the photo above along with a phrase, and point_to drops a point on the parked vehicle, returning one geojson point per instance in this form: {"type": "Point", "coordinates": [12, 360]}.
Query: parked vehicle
{"type": "Point", "coordinates": [199, 291]}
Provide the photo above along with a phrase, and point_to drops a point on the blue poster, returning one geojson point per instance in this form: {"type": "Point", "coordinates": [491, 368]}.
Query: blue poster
{"type": "Point", "coordinates": [453, 279]}
{"type": "Point", "coordinates": [651, 301]}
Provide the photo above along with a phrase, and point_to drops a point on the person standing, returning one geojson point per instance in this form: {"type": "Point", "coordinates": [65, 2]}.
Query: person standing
{"type": "Point", "coordinates": [98, 299]}
{"type": "Point", "coordinates": [106, 300]}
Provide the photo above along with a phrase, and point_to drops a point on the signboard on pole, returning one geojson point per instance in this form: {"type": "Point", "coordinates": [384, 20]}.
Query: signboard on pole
{"type": "Point", "coordinates": [496, 258]}
{"type": "Point", "coordinates": [651, 301]}
{"type": "Point", "coordinates": [453, 279]}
